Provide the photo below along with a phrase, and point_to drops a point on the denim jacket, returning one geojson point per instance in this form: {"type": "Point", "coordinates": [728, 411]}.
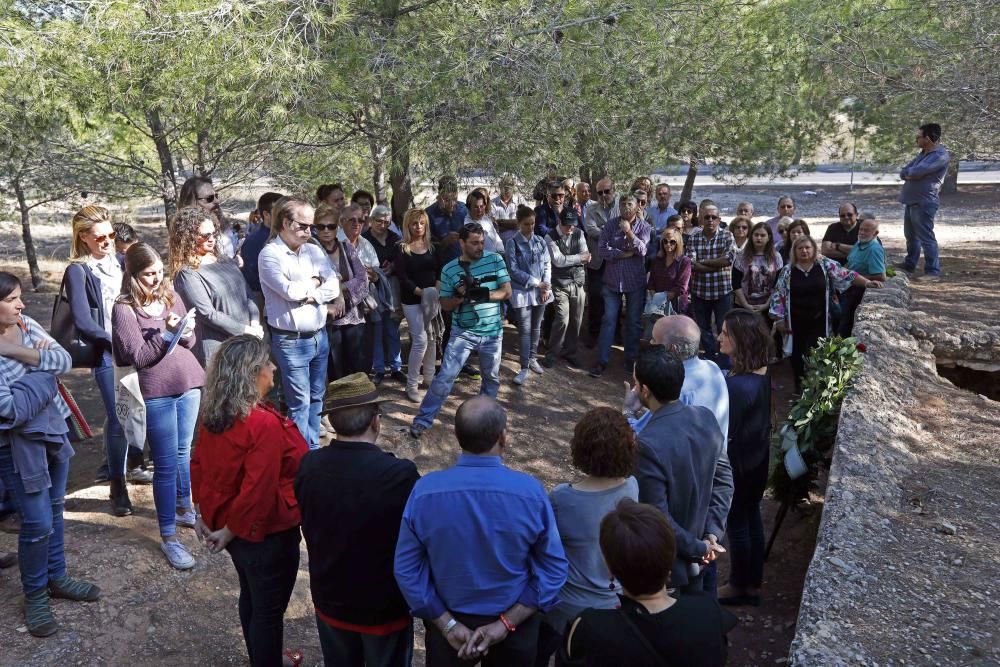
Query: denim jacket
{"type": "Point", "coordinates": [529, 264]}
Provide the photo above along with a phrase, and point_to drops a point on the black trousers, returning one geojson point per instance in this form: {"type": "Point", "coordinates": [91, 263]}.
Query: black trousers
{"type": "Point", "coordinates": [350, 352]}
{"type": "Point", "coordinates": [595, 301]}
{"type": "Point", "coordinates": [267, 572]}
{"type": "Point", "coordinates": [518, 649]}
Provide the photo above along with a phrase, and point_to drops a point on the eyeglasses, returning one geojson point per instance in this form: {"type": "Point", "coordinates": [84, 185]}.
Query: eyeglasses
{"type": "Point", "coordinates": [640, 202]}
{"type": "Point", "coordinates": [324, 228]}
{"type": "Point", "coordinates": [743, 227]}
{"type": "Point", "coordinates": [210, 199]}
{"type": "Point", "coordinates": [104, 237]}
{"type": "Point", "coordinates": [381, 220]}
{"type": "Point", "coordinates": [606, 192]}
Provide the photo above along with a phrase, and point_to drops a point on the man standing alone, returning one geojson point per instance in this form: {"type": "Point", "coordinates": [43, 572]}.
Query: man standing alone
{"type": "Point", "coordinates": [922, 179]}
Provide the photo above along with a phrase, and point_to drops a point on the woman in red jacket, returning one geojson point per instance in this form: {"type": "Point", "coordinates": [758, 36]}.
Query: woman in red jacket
{"type": "Point", "coordinates": [242, 473]}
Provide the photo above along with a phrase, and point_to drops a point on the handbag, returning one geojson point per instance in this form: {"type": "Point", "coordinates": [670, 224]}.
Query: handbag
{"type": "Point", "coordinates": [366, 305]}
{"type": "Point", "coordinates": [83, 352]}
{"type": "Point", "coordinates": [79, 428]}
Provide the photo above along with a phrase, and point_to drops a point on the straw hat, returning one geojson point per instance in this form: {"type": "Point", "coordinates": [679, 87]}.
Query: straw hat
{"type": "Point", "coordinates": [350, 391]}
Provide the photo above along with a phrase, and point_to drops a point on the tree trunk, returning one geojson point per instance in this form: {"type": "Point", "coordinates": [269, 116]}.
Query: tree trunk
{"type": "Point", "coordinates": [399, 179]}
{"type": "Point", "coordinates": [168, 177]}
{"type": "Point", "coordinates": [29, 244]}
{"type": "Point", "coordinates": [950, 185]}
{"type": "Point", "coordinates": [378, 155]}
{"type": "Point", "coordinates": [688, 190]}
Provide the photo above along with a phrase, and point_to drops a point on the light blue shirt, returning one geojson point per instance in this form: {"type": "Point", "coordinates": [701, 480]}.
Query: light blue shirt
{"type": "Point", "coordinates": [477, 538]}
{"type": "Point", "coordinates": [924, 175]}
{"type": "Point", "coordinates": [705, 385]}
{"type": "Point", "coordinates": [660, 217]}
{"type": "Point", "coordinates": [867, 258]}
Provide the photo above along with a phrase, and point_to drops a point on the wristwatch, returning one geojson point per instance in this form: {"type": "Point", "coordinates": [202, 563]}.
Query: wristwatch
{"type": "Point", "coordinates": [449, 626]}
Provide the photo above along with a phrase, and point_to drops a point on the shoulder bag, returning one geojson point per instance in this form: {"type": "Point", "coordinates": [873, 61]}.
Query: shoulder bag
{"type": "Point", "coordinates": [84, 353]}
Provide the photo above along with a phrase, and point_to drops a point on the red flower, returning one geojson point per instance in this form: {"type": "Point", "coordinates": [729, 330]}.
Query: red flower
{"type": "Point", "coordinates": [861, 347]}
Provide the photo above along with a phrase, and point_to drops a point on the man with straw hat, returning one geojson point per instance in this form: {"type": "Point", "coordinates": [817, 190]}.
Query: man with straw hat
{"type": "Point", "coordinates": [351, 495]}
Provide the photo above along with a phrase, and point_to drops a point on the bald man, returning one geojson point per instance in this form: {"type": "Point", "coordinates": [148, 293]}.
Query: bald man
{"type": "Point", "coordinates": [704, 383]}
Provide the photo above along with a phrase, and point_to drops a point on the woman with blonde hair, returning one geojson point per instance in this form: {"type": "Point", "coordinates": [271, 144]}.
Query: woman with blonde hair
{"type": "Point", "coordinates": [92, 282]}
{"type": "Point", "coordinates": [210, 283]}
{"type": "Point", "coordinates": [147, 320]}
{"type": "Point", "coordinates": [670, 270]}
{"type": "Point", "coordinates": [417, 266]}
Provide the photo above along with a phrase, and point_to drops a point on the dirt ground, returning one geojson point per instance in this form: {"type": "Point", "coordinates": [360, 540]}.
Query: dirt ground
{"type": "Point", "coordinates": [152, 614]}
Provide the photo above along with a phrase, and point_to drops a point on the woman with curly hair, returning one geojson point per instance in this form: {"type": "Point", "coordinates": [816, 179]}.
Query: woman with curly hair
{"type": "Point", "coordinates": [210, 283]}
{"type": "Point", "coordinates": [758, 265]}
{"type": "Point", "coordinates": [604, 449]}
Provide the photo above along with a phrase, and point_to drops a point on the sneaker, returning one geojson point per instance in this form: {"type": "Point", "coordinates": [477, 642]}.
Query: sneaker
{"type": "Point", "coordinates": [77, 590]}
{"type": "Point", "coordinates": [187, 519]}
{"type": "Point", "coordinates": [929, 278]}
{"type": "Point", "coordinates": [521, 376]}
{"type": "Point", "coordinates": [38, 613]}
{"type": "Point", "coordinates": [177, 555]}
{"type": "Point", "coordinates": [139, 476]}
{"type": "Point", "coordinates": [598, 370]}
{"type": "Point", "coordinates": [413, 394]}
{"type": "Point", "coordinates": [535, 366]}
{"type": "Point", "coordinates": [416, 430]}
{"type": "Point", "coordinates": [471, 372]}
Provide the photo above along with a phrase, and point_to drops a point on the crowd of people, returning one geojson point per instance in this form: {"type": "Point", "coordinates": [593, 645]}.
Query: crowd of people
{"type": "Point", "coordinates": [235, 360]}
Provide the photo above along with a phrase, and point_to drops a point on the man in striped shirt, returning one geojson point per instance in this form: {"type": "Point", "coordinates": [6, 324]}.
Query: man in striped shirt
{"type": "Point", "coordinates": [472, 287]}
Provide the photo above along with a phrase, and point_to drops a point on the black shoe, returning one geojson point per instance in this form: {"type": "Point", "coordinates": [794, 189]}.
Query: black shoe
{"type": "Point", "coordinates": [120, 503]}
{"type": "Point", "coordinates": [598, 370]}
{"type": "Point", "coordinates": [416, 430]}
{"type": "Point", "coordinates": [377, 378]}
{"type": "Point", "coordinates": [398, 376]}
{"type": "Point", "coordinates": [548, 362]}
{"type": "Point", "coordinates": [471, 372]}
{"type": "Point", "coordinates": [903, 267]}
{"type": "Point", "coordinates": [102, 475]}
{"type": "Point", "coordinates": [741, 601]}
{"type": "Point", "coordinates": [7, 560]}
{"type": "Point", "coordinates": [572, 361]}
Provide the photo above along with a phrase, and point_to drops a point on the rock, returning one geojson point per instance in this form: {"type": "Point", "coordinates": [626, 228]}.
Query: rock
{"type": "Point", "coordinates": [839, 563]}
{"type": "Point", "coordinates": [947, 528]}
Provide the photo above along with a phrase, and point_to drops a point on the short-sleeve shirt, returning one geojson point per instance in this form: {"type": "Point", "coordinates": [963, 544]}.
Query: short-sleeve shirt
{"type": "Point", "coordinates": [867, 258]}
{"type": "Point", "coordinates": [481, 319]}
{"type": "Point", "coordinates": [836, 233]}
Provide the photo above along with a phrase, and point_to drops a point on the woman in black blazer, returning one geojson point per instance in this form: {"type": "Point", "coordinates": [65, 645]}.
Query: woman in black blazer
{"type": "Point", "coordinates": [93, 281]}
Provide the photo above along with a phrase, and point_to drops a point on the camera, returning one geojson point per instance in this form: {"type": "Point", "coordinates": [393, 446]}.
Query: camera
{"type": "Point", "coordinates": [474, 291]}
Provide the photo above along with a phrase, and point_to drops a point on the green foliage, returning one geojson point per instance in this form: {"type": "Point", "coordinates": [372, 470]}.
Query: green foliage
{"type": "Point", "coordinates": [829, 369]}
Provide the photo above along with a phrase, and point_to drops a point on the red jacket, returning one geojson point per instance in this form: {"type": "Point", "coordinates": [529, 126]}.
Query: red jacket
{"type": "Point", "coordinates": [243, 478]}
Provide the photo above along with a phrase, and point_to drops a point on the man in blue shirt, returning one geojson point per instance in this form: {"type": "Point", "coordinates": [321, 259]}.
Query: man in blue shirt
{"type": "Point", "coordinates": [867, 257]}
{"type": "Point", "coordinates": [479, 552]}
{"type": "Point", "coordinates": [472, 286]}
{"type": "Point", "coordinates": [663, 210]}
{"type": "Point", "coordinates": [447, 215]}
{"type": "Point", "coordinates": [922, 179]}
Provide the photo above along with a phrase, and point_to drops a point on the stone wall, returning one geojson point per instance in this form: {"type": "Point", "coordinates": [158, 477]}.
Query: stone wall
{"type": "Point", "coordinates": [863, 544]}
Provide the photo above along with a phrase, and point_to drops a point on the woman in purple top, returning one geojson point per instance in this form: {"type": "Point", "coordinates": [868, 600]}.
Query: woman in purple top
{"type": "Point", "coordinates": [758, 264]}
{"type": "Point", "coordinates": [670, 270]}
{"type": "Point", "coordinates": [146, 319]}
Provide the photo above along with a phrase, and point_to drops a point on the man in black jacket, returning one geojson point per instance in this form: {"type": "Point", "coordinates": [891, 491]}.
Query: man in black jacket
{"type": "Point", "coordinates": [351, 495]}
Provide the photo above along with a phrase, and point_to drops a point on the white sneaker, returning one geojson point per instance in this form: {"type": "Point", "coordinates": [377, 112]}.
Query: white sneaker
{"type": "Point", "coordinates": [187, 519]}
{"type": "Point", "coordinates": [521, 376]}
{"type": "Point", "coordinates": [177, 555]}
{"type": "Point", "coordinates": [413, 394]}
{"type": "Point", "coordinates": [535, 366]}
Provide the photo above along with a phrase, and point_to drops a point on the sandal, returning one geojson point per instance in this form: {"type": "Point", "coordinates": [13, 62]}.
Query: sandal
{"type": "Point", "coordinates": [294, 656]}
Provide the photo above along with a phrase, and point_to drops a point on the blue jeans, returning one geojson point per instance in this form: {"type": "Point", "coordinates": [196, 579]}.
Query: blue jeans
{"type": "Point", "coordinates": [460, 346]}
{"type": "Point", "coordinates": [918, 228]}
{"type": "Point", "coordinates": [115, 445]}
{"type": "Point", "coordinates": [634, 302]}
{"type": "Point", "coordinates": [702, 311]}
{"type": "Point", "coordinates": [170, 423]}
{"type": "Point", "coordinates": [529, 330]}
{"type": "Point", "coordinates": [303, 363]}
{"type": "Point", "coordinates": [386, 337]}
{"type": "Point", "coordinates": [40, 543]}
{"type": "Point", "coordinates": [345, 648]}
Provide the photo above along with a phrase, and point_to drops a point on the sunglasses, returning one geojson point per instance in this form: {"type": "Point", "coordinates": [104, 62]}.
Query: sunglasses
{"type": "Point", "coordinates": [210, 199]}
{"type": "Point", "coordinates": [105, 237]}
{"type": "Point", "coordinates": [206, 236]}
{"type": "Point", "coordinates": [301, 226]}
{"type": "Point", "coordinates": [606, 192]}
{"type": "Point", "coordinates": [669, 242]}
{"type": "Point", "coordinates": [324, 228]}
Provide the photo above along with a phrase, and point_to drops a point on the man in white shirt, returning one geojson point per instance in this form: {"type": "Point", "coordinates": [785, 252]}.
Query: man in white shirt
{"type": "Point", "coordinates": [297, 281]}
{"type": "Point", "coordinates": [504, 208]}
